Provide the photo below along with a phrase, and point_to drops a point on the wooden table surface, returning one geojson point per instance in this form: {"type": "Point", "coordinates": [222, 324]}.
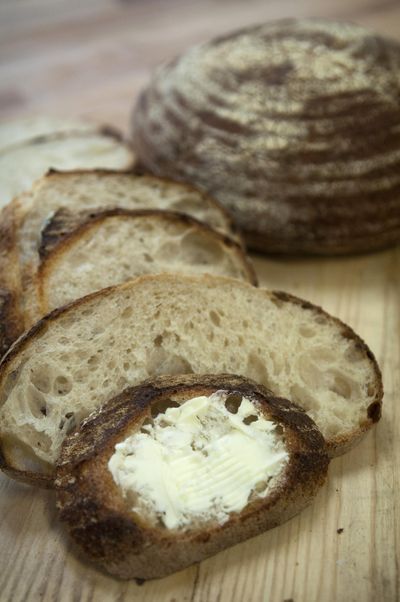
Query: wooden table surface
{"type": "Point", "coordinates": [90, 58]}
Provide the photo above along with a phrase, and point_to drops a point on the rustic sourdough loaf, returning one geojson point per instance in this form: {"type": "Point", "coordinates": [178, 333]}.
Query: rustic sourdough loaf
{"type": "Point", "coordinates": [117, 245]}
{"type": "Point", "coordinates": [78, 357]}
{"type": "Point", "coordinates": [266, 457]}
{"type": "Point", "coordinates": [57, 204]}
{"type": "Point", "coordinates": [293, 125]}
{"type": "Point", "coordinates": [23, 163]}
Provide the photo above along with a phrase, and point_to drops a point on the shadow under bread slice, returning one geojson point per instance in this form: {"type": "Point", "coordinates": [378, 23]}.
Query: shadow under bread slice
{"type": "Point", "coordinates": [176, 469]}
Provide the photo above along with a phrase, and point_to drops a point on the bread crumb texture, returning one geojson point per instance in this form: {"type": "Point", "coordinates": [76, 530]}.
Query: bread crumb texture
{"type": "Point", "coordinates": [166, 324]}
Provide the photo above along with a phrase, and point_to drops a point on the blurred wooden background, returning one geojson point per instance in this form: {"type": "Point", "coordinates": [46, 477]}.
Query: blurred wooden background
{"type": "Point", "coordinates": [90, 58]}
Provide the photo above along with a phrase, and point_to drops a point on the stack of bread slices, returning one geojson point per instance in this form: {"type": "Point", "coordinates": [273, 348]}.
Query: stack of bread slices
{"type": "Point", "coordinates": [176, 407]}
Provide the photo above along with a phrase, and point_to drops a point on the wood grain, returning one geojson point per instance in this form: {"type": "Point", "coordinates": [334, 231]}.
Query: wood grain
{"type": "Point", "coordinates": [91, 58]}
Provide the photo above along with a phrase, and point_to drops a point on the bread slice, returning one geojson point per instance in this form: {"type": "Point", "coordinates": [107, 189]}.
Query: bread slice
{"type": "Point", "coordinates": [78, 357]}
{"type": "Point", "coordinates": [117, 245]}
{"type": "Point", "coordinates": [120, 530]}
{"type": "Point", "coordinates": [18, 132]}
{"type": "Point", "coordinates": [27, 221]}
{"type": "Point", "coordinates": [21, 165]}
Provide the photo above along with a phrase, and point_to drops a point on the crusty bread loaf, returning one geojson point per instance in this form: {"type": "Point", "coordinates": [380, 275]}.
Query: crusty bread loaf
{"type": "Point", "coordinates": [127, 543]}
{"type": "Point", "coordinates": [117, 245]}
{"type": "Point", "coordinates": [15, 133]}
{"type": "Point", "coordinates": [293, 125]}
{"type": "Point", "coordinates": [24, 224]}
{"type": "Point", "coordinates": [22, 164]}
{"type": "Point", "coordinates": [77, 357]}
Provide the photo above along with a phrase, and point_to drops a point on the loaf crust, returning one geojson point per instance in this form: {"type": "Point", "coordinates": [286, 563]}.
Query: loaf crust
{"type": "Point", "coordinates": [99, 518]}
{"type": "Point", "coordinates": [293, 125]}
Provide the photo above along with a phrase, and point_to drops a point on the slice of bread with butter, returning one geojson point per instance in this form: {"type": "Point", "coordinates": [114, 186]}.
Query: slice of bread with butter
{"type": "Point", "coordinates": [229, 461]}
{"type": "Point", "coordinates": [80, 356]}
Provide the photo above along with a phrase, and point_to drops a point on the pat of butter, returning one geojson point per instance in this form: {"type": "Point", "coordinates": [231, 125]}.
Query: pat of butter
{"type": "Point", "coordinates": [199, 461]}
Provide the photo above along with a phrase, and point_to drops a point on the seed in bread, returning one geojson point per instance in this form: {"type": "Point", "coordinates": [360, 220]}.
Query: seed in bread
{"type": "Point", "coordinates": [292, 125]}
{"type": "Point", "coordinates": [79, 356]}
{"type": "Point", "coordinates": [235, 461]}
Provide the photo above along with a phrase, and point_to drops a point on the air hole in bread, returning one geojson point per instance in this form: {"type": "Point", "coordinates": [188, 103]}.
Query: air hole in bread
{"type": "Point", "coordinates": [354, 354]}
{"type": "Point", "coordinates": [158, 340]}
{"type": "Point", "coordinates": [126, 366]}
{"type": "Point", "coordinates": [127, 313]}
{"type": "Point", "coordinates": [341, 386]}
{"type": "Point", "coordinates": [250, 419]}
{"type": "Point", "coordinates": [43, 442]}
{"type": "Point", "coordinates": [147, 422]}
{"type": "Point", "coordinates": [93, 362]}
{"type": "Point", "coordinates": [307, 332]}
{"type": "Point", "coordinates": [197, 253]}
{"type": "Point", "coordinates": [256, 368]}
{"type": "Point", "coordinates": [112, 364]}
{"type": "Point", "coordinates": [121, 382]}
{"type": "Point", "coordinates": [35, 402]}
{"type": "Point", "coordinates": [161, 406]}
{"type": "Point", "coordinates": [97, 330]}
{"type": "Point", "coordinates": [159, 361]}
{"type": "Point", "coordinates": [232, 402]}
{"type": "Point", "coordinates": [259, 488]}
{"type": "Point", "coordinates": [41, 381]}
{"type": "Point", "coordinates": [215, 319]}
{"type": "Point", "coordinates": [148, 258]}
{"type": "Point", "coordinates": [371, 390]}
{"type": "Point", "coordinates": [62, 385]}
{"type": "Point", "coordinates": [303, 398]}
{"type": "Point", "coordinates": [322, 354]}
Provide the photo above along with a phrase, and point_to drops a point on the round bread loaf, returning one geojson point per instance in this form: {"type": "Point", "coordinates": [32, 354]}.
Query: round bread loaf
{"type": "Point", "coordinates": [293, 125]}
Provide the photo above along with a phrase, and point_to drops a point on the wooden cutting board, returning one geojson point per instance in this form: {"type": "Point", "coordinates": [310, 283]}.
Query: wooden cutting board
{"type": "Point", "coordinates": [89, 59]}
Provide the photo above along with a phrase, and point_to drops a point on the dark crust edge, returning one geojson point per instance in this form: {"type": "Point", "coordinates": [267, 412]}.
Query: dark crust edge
{"type": "Point", "coordinates": [11, 319]}
{"type": "Point", "coordinates": [336, 446]}
{"type": "Point", "coordinates": [100, 520]}
{"type": "Point", "coordinates": [58, 235]}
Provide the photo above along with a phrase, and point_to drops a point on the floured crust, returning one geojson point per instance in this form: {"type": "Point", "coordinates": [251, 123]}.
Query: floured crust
{"type": "Point", "coordinates": [100, 520]}
{"type": "Point", "coordinates": [292, 125]}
